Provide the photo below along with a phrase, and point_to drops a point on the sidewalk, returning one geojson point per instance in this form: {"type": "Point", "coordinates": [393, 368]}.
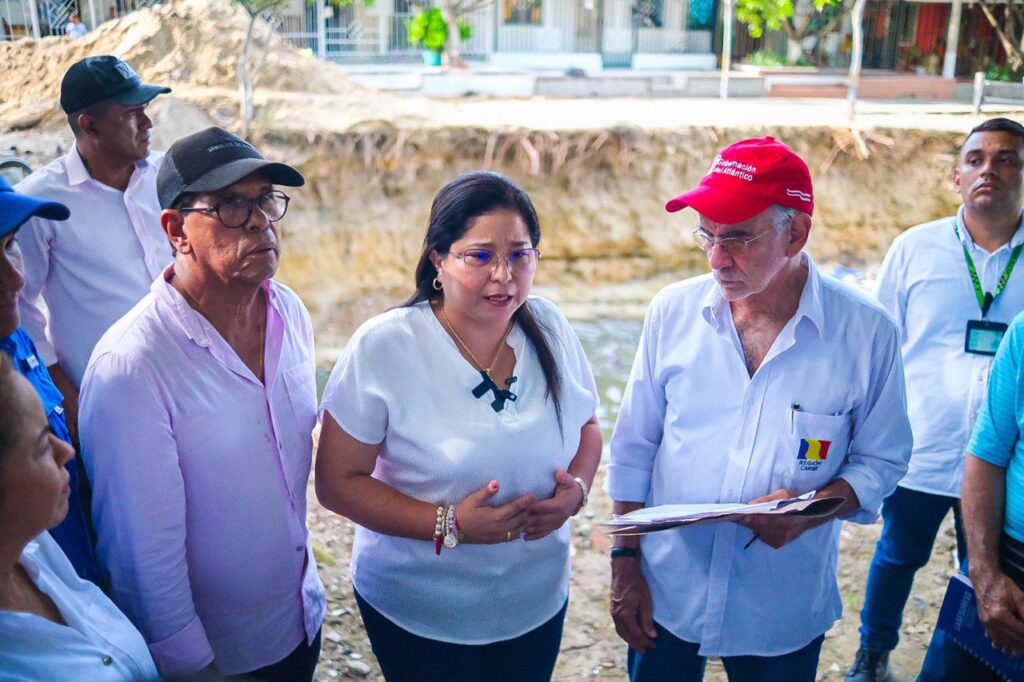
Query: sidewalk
{"type": "Point", "coordinates": [496, 80]}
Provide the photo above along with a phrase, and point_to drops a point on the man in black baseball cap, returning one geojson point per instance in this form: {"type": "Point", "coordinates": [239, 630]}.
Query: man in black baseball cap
{"type": "Point", "coordinates": [91, 271]}
{"type": "Point", "coordinates": [217, 365]}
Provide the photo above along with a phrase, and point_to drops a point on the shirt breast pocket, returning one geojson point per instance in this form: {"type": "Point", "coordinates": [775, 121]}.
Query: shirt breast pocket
{"type": "Point", "coordinates": [818, 444]}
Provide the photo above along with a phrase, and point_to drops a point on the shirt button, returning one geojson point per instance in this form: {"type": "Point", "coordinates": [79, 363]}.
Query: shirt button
{"type": "Point", "coordinates": [107, 660]}
{"type": "Point", "coordinates": [299, 548]}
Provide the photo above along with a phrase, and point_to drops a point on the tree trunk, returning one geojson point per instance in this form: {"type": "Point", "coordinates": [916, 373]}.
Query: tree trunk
{"type": "Point", "coordinates": [453, 48]}
{"type": "Point", "coordinates": [245, 79]}
{"type": "Point", "coordinates": [1011, 42]}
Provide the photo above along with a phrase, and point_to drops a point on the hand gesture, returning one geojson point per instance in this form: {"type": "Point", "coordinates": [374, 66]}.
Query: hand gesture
{"type": "Point", "coordinates": [481, 523]}
{"type": "Point", "coordinates": [547, 516]}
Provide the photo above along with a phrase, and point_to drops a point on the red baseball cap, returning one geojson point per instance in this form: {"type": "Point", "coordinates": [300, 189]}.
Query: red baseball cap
{"type": "Point", "coordinates": [748, 177]}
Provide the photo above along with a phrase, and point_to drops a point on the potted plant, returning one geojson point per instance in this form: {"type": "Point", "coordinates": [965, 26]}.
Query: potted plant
{"type": "Point", "coordinates": [430, 30]}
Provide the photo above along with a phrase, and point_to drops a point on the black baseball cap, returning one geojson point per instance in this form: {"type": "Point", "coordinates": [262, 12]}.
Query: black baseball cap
{"type": "Point", "coordinates": [213, 159]}
{"type": "Point", "coordinates": [16, 208]}
{"type": "Point", "coordinates": [104, 78]}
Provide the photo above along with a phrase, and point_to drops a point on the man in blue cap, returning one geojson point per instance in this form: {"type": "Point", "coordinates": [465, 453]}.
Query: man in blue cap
{"type": "Point", "coordinates": [72, 534]}
{"type": "Point", "coordinates": [92, 270]}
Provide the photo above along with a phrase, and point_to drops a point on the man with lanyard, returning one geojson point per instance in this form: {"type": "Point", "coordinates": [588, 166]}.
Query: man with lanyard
{"type": "Point", "coordinates": [764, 380]}
{"type": "Point", "coordinates": [952, 286]}
{"type": "Point", "coordinates": [72, 533]}
{"type": "Point", "coordinates": [91, 271]}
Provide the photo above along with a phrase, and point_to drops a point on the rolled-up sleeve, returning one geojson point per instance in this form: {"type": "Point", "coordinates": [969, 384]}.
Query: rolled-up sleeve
{"type": "Point", "coordinates": [140, 511]}
{"type": "Point", "coordinates": [881, 441]}
{"type": "Point", "coordinates": [640, 425]}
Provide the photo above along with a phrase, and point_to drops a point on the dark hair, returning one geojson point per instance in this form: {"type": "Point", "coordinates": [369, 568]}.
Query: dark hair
{"type": "Point", "coordinates": [455, 207]}
{"type": "Point", "coordinates": [999, 125]}
{"type": "Point", "coordinates": [10, 420]}
{"type": "Point", "coordinates": [94, 110]}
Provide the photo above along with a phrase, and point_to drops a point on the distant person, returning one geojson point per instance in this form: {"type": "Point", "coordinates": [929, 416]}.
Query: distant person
{"type": "Point", "coordinates": [111, 13]}
{"type": "Point", "coordinates": [459, 434]}
{"type": "Point", "coordinates": [75, 28]}
{"type": "Point", "coordinates": [198, 410]}
{"type": "Point", "coordinates": [92, 270]}
{"type": "Point", "coordinates": [72, 534]}
{"type": "Point", "coordinates": [952, 285]}
{"type": "Point", "coordinates": [764, 380]}
{"type": "Point", "coordinates": [53, 624]}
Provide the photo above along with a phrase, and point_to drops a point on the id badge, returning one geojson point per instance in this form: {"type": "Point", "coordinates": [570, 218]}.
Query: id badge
{"type": "Point", "coordinates": [983, 337]}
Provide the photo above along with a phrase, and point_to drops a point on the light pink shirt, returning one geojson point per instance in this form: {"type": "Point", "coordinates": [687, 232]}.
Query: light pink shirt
{"type": "Point", "coordinates": [199, 478]}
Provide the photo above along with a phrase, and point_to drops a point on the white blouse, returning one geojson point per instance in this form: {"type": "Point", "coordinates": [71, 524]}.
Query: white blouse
{"type": "Point", "coordinates": [402, 381]}
{"type": "Point", "coordinates": [97, 644]}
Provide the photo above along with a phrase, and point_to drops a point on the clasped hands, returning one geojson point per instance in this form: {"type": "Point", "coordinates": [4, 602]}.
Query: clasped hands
{"type": "Point", "coordinates": [525, 516]}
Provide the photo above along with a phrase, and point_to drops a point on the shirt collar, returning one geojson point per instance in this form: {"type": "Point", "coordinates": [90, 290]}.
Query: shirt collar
{"type": "Point", "coordinates": [968, 241]}
{"type": "Point", "coordinates": [195, 325]}
{"type": "Point", "coordinates": [716, 308]}
{"type": "Point", "coordinates": [78, 173]}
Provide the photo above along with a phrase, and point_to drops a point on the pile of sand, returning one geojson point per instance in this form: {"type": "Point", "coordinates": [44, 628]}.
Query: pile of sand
{"type": "Point", "coordinates": [191, 43]}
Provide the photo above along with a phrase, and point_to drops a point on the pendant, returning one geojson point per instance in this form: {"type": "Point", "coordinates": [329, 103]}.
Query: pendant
{"type": "Point", "coordinates": [451, 540]}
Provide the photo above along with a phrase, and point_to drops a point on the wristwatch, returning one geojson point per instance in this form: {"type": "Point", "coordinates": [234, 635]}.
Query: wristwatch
{"type": "Point", "coordinates": [586, 494]}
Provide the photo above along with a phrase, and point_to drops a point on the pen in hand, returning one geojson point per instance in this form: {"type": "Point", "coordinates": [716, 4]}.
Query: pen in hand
{"type": "Point", "coordinates": [751, 541]}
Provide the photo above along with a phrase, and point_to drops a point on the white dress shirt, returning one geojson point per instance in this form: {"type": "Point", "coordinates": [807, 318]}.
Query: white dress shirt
{"type": "Point", "coordinates": [695, 427]}
{"type": "Point", "coordinates": [92, 268]}
{"type": "Point", "coordinates": [402, 382]}
{"type": "Point", "coordinates": [199, 475]}
{"type": "Point", "coordinates": [925, 284]}
{"type": "Point", "coordinates": [97, 644]}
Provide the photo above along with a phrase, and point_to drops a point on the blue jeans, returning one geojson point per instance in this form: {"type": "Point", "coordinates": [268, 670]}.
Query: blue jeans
{"type": "Point", "coordinates": [405, 657]}
{"type": "Point", "coordinates": [676, 660]}
{"type": "Point", "coordinates": [947, 661]}
{"type": "Point", "coordinates": [912, 521]}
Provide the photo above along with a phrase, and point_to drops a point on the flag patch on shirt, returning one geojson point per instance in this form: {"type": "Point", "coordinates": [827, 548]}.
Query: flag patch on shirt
{"type": "Point", "coordinates": [812, 453]}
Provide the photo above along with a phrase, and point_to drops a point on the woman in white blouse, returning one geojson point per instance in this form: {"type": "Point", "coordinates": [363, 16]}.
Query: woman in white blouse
{"type": "Point", "coordinates": [459, 433]}
{"type": "Point", "coordinates": [53, 624]}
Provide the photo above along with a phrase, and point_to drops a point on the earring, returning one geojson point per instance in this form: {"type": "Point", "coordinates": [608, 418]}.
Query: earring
{"type": "Point", "coordinates": [437, 284]}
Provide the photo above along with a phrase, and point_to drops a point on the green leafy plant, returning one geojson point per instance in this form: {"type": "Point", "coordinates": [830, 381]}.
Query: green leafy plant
{"type": "Point", "coordinates": [778, 15]}
{"type": "Point", "coordinates": [764, 58]}
{"type": "Point", "coordinates": [430, 30]}
{"type": "Point", "coordinates": [995, 71]}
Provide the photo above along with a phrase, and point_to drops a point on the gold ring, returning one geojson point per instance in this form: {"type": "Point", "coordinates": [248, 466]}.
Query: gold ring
{"type": "Point", "coordinates": [508, 535]}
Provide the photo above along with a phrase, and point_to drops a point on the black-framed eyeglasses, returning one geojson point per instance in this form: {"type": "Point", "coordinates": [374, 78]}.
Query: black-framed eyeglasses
{"type": "Point", "coordinates": [519, 262]}
{"type": "Point", "coordinates": [235, 211]}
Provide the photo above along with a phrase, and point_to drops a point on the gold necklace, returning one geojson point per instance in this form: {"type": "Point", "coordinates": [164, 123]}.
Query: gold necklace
{"type": "Point", "coordinates": [476, 363]}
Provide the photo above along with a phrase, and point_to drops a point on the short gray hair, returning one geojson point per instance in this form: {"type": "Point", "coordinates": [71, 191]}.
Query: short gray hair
{"type": "Point", "coordinates": [781, 215]}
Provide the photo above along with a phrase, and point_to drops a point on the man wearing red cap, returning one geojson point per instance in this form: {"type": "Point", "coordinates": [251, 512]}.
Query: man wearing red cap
{"type": "Point", "coordinates": [761, 381]}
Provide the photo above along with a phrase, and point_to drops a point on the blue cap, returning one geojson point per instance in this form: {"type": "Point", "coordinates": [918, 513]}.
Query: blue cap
{"type": "Point", "coordinates": [16, 208]}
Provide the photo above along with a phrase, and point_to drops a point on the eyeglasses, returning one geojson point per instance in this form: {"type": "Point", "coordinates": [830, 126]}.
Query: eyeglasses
{"type": "Point", "coordinates": [235, 211]}
{"type": "Point", "coordinates": [731, 245]}
{"type": "Point", "coordinates": [519, 262]}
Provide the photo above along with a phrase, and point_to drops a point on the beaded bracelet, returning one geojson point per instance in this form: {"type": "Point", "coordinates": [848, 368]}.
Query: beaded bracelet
{"type": "Point", "coordinates": [438, 526]}
{"type": "Point", "coordinates": [451, 536]}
